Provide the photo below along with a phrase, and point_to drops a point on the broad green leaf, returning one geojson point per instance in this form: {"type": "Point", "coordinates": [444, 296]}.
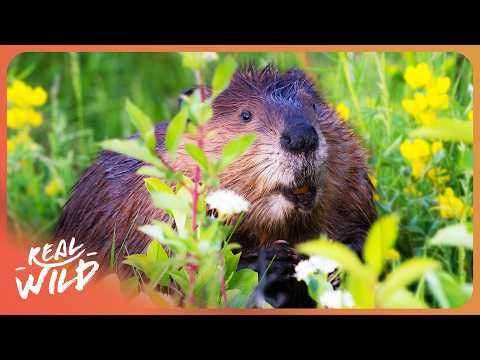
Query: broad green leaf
{"type": "Point", "coordinates": [340, 253]}
{"type": "Point", "coordinates": [447, 291]}
{"type": "Point", "coordinates": [155, 252]}
{"type": "Point", "coordinates": [198, 155]}
{"type": "Point", "coordinates": [139, 261]}
{"type": "Point", "coordinates": [447, 130]}
{"type": "Point", "coordinates": [155, 184]}
{"type": "Point", "coordinates": [381, 237]}
{"type": "Point", "coordinates": [201, 112]}
{"type": "Point", "coordinates": [223, 74]}
{"type": "Point", "coordinates": [133, 149]}
{"type": "Point", "coordinates": [175, 130]}
{"type": "Point", "coordinates": [402, 299]}
{"type": "Point", "coordinates": [231, 262]}
{"type": "Point", "coordinates": [170, 202]}
{"type": "Point", "coordinates": [453, 235]}
{"type": "Point", "coordinates": [363, 292]}
{"type": "Point", "coordinates": [236, 147]}
{"type": "Point", "coordinates": [245, 280]}
{"type": "Point", "coordinates": [152, 171]}
{"type": "Point", "coordinates": [181, 278]}
{"type": "Point", "coordinates": [143, 123]}
{"type": "Point", "coordinates": [406, 273]}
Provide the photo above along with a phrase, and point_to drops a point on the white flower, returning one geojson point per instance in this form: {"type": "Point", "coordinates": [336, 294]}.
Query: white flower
{"type": "Point", "coordinates": [314, 265]}
{"type": "Point", "coordinates": [303, 269]}
{"type": "Point", "coordinates": [336, 299]}
{"type": "Point", "coordinates": [324, 265]}
{"type": "Point", "coordinates": [209, 56]}
{"type": "Point", "coordinates": [227, 202]}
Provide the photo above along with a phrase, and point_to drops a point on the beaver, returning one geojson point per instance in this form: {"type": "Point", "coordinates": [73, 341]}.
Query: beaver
{"type": "Point", "coordinates": [305, 175]}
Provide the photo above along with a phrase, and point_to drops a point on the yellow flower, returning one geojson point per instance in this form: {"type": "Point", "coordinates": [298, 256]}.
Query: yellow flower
{"type": "Point", "coordinates": [392, 254]}
{"type": "Point", "coordinates": [418, 76]}
{"type": "Point", "coordinates": [427, 117]}
{"type": "Point", "coordinates": [450, 206]}
{"type": "Point", "coordinates": [416, 105]}
{"type": "Point", "coordinates": [18, 118]}
{"type": "Point", "coordinates": [54, 187]}
{"type": "Point", "coordinates": [23, 95]}
{"type": "Point", "coordinates": [436, 147]}
{"type": "Point", "coordinates": [343, 111]}
{"type": "Point", "coordinates": [418, 153]}
{"type": "Point", "coordinates": [470, 115]}
{"type": "Point", "coordinates": [436, 100]}
{"type": "Point", "coordinates": [439, 85]}
{"type": "Point", "coordinates": [10, 146]}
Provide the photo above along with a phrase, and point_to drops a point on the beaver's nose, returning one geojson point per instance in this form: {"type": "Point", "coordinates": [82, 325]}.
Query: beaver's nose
{"type": "Point", "coordinates": [299, 137]}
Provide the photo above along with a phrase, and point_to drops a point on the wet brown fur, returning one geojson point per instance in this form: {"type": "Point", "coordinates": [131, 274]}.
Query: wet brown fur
{"type": "Point", "coordinates": [110, 200]}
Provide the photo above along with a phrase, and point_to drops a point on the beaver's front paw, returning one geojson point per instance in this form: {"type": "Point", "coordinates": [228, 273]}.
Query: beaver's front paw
{"type": "Point", "coordinates": [277, 283]}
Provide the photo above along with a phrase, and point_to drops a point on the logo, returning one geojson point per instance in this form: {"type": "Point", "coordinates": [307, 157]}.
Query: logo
{"type": "Point", "coordinates": [59, 266]}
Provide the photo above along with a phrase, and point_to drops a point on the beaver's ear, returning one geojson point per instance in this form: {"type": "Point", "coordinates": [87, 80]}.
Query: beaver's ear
{"type": "Point", "coordinates": [188, 92]}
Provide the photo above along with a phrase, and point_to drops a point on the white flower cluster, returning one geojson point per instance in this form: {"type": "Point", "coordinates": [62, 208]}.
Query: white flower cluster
{"type": "Point", "coordinates": [336, 299]}
{"type": "Point", "coordinates": [227, 202]}
{"type": "Point", "coordinates": [314, 265]}
{"type": "Point", "coordinates": [333, 299]}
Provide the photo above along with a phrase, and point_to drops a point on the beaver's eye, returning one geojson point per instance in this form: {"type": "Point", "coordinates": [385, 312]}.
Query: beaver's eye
{"type": "Point", "coordinates": [246, 116]}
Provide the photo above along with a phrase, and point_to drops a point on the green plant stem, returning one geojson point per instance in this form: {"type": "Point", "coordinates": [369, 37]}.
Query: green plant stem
{"type": "Point", "coordinates": [351, 90]}
{"type": "Point", "coordinates": [380, 64]}
{"type": "Point", "coordinates": [461, 265]}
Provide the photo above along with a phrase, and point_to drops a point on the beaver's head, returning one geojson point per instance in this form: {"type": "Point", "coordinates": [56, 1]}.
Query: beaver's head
{"type": "Point", "coordinates": [282, 172]}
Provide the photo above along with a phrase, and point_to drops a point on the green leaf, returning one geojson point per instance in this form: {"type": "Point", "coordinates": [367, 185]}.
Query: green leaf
{"type": "Point", "coordinates": [317, 285]}
{"type": "Point", "coordinates": [406, 273]}
{"type": "Point", "coordinates": [231, 262]}
{"type": "Point", "coordinates": [381, 237]}
{"type": "Point", "coordinates": [447, 291]}
{"type": "Point", "coordinates": [245, 280]}
{"type": "Point", "coordinates": [156, 252]}
{"type": "Point", "coordinates": [170, 202]}
{"type": "Point", "coordinates": [157, 185]}
{"type": "Point", "coordinates": [223, 73]}
{"type": "Point", "coordinates": [198, 155]}
{"type": "Point", "coordinates": [201, 112]}
{"type": "Point", "coordinates": [175, 130]}
{"type": "Point", "coordinates": [181, 278]}
{"type": "Point", "coordinates": [139, 261]}
{"type": "Point", "coordinates": [447, 130]}
{"type": "Point", "coordinates": [152, 171]}
{"type": "Point", "coordinates": [453, 235]}
{"type": "Point", "coordinates": [234, 148]}
{"type": "Point", "coordinates": [133, 149]}
{"type": "Point", "coordinates": [402, 299]}
{"type": "Point", "coordinates": [143, 123]}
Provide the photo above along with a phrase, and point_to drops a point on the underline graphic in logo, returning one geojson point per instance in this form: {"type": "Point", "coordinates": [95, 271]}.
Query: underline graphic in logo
{"type": "Point", "coordinates": [55, 265]}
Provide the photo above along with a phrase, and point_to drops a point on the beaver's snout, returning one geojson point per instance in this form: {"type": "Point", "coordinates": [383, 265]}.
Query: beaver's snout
{"type": "Point", "coordinates": [299, 137]}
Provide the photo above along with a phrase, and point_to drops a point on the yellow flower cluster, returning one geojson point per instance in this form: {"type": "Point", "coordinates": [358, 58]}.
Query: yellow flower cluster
{"type": "Point", "coordinates": [54, 187]}
{"type": "Point", "coordinates": [470, 115]}
{"type": "Point", "coordinates": [24, 99]}
{"type": "Point", "coordinates": [424, 104]}
{"type": "Point", "coordinates": [343, 111]}
{"type": "Point", "coordinates": [419, 152]}
{"type": "Point", "coordinates": [450, 206]}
